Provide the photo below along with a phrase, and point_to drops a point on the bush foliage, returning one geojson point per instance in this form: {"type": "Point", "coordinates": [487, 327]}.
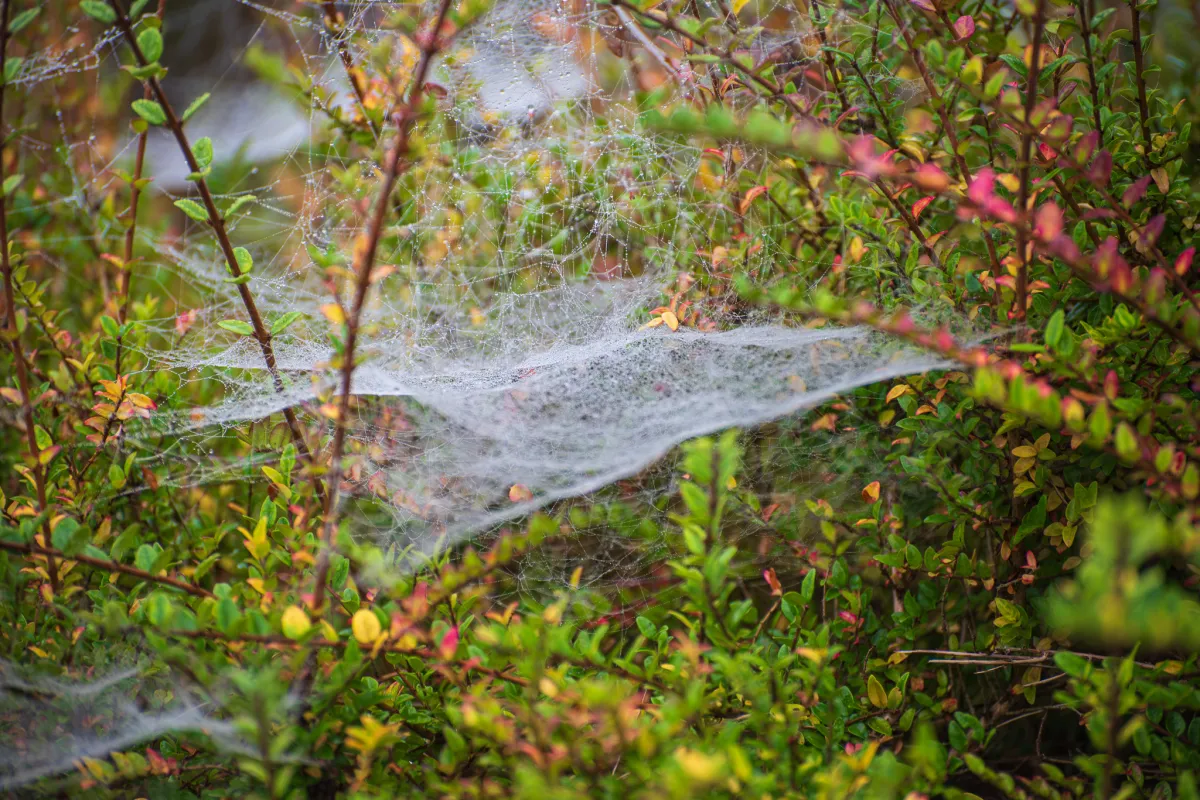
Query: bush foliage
{"type": "Point", "coordinates": [983, 585]}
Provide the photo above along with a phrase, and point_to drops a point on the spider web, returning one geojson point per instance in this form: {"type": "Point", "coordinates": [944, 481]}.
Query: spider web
{"type": "Point", "coordinates": [506, 363]}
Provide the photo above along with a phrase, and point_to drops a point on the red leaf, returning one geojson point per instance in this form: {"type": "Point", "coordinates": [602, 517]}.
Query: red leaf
{"type": "Point", "coordinates": [964, 27]}
{"type": "Point", "coordinates": [1184, 262]}
{"type": "Point", "coordinates": [1135, 191]}
{"type": "Point", "coordinates": [448, 644]}
{"type": "Point", "coordinates": [920, 205]}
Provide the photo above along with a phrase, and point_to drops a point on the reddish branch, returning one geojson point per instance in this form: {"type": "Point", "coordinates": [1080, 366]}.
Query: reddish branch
{"type": "Point", "coordinates": [100, 563]}
{"type": "Point", "coordinates": [1031, 90]}
{"type": "Point", "coordinates": [395, 164]}
{"type": "Point", "coordinates": [217, 223]}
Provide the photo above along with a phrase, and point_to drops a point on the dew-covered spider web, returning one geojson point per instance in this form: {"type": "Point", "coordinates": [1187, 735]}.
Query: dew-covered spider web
{"type": "Point", "coordinates": [507, 360]}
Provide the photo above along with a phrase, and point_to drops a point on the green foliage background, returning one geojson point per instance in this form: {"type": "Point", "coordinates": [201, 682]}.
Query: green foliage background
{"type": "Point", "coordinates": [985, 585]}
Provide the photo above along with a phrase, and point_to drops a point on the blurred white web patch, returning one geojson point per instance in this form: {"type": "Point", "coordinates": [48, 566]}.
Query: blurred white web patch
{"type": "Point", "coordinates": [48, 725]}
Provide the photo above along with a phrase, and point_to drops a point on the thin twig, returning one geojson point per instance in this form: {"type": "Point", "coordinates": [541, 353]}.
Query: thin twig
{"type": "Point", "coordinates": [217, 222]}
{"type": "Point", "coordinates": [396, 163]}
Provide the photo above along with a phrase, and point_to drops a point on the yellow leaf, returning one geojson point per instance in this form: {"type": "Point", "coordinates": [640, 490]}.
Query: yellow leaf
{"type": "Point", "coordinates": [857, 249]}
{"type": "Point", "coordinates": [870, 492]}
{"type": "Point", "coordinates": [875, 692]}
{"type": "Point", "coordinates": [1025, 451]}
{"type": "Point", "coordinates": [333, 312]}
{"type": "Point", "coordinates": [366, 626]}
{"type": "Point", "coordinates": [897, 391]}
{"type": "Point", "coordinates": [671, 320]}
{"type": "Point", "coordinates": [1160, 179]}
{"type": "Point", "coordinates": [295, 623]}
{"type": "Point", "coordinates": [738, 5]}
{"type": "Point", "coordinates": [1042, 442]}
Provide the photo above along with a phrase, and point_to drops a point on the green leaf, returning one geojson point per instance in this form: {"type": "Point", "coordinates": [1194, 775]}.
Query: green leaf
{"type": "Point", "coordinates": [808, 585]}
{"type": "Point", "coordinates": [203, 151]}
{"type": "Point", "coordinates": [136, 9]}
{"type": "Point", "coordinates": [876, 693]}
{"type": "Point", "coordinates": [280, 325]}
{"type": "Point", "coordinates": [99, 11]}
{"type": "Point", "coordinates": [239, 203]}
{"type": "Point", "coordinates": [237, 326]}
{"type": "Point", "coordinates": [150, 111]}
{"type": "Point", "coordinates": [12, 65]}
{"type": "Point", "coordinates": [109, 326]}
{"type": "Point", "coordinates": [195, 106]}
{"type": "Point", "coordinates": [116, 476]}
{"type": "Point", "coordinates": [192, 209]}
{"type": "Point", "coordinates": [150, 42]}
{"type": "Point", "coordinates": [20, 21]}
{"type": "Point", "coordinates": [1054, 329]}
{"type": "Point", "coordinates": [245, 262]}
{"type": "Point", "coordinates": [10, 185]}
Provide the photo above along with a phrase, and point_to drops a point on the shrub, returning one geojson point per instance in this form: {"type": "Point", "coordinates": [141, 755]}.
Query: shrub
{"type": "Point", "coordinates": [976, 579]}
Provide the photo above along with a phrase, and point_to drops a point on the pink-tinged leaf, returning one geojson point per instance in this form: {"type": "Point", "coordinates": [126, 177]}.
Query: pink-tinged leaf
{"type": "Point", "coordinates": [1155, 287]}
{"type": "Point", "coordinates": [1112, 385]}
{"type": "Point", "coordinates": [1153, 229]}
{"type": "Point", "coordinates": [773, 581]}
{"type": "Point", "coordinates": [964, 27]}
{"type": "Point", "coordinates": [1100, 170]}
{"type": "Point", "coordinates": [1135, 192]}
{"type": "Point", "coordinates": [1065, 248]}
{"type": "Point", "coordinates": [1085, 147]}
{"type": "Point", "coordinates": [924, 5]}
{"type": "Point", "coordinates": [1048, 222]}
{"type": "Point", "coordinates": [1047, 152]}
{"type": "Point", "coordinates": [185, 321]}
{"type": "Point", "coordinates": [519, 493]}
{"type": "Point", "coordinates": [1184, 262]}
{"type": "Point", "coordinates": [1099, 213]}
{"type": "Point", "coordinates": [982, 188]}
{"type": "Point", "coordinates": [1107, 259]}
{"type": "Point", "coordinates": [448, 644]}
{"type": "Point", "coordinates": [919, 206]}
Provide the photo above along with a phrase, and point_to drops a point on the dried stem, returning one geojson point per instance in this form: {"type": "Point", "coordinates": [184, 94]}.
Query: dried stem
{"type": "Point", "coordinates": [12, 332]}
{"type": "Point", "coordinates": [395, 164]}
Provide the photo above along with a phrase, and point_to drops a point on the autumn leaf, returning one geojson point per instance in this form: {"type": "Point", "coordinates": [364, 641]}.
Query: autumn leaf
{"type": "Point", "coordinates": [870, 492]}
{"type": "Point", "coordinates": [750, 196]}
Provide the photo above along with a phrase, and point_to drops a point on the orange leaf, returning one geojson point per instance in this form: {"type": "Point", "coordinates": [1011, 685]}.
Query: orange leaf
{"type": "Point", "coordinates": [920, 205]}
{"type": "Point", "coordinates": [870, 492]}
{"type": "Point", "coordinates": [519, 493]}
{"type": "Point", "coordinates": [749, 198]}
